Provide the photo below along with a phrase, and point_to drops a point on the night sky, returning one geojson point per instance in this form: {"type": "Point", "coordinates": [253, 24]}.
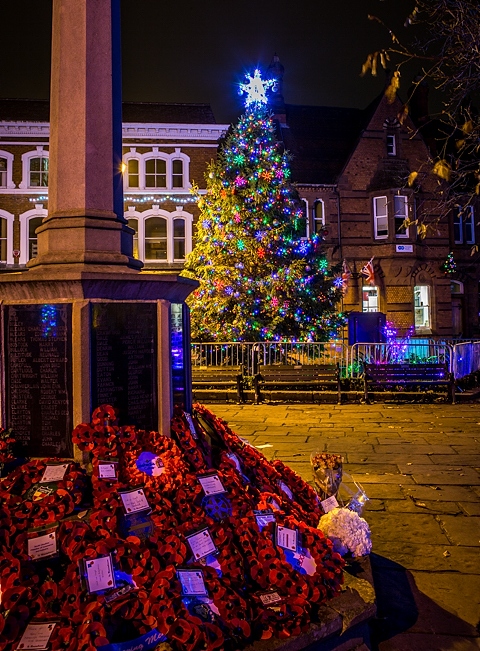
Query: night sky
{"type": "Point", "coordinates": [194, 51]}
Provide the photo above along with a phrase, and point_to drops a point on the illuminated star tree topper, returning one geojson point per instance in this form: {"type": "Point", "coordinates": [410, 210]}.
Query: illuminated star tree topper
{"type": "Point", "coordinates": [255, 88]}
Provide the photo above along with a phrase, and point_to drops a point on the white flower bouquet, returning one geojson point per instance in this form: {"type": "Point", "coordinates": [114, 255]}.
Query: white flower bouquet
{"type": "Point", "coordinates": [347, 530]}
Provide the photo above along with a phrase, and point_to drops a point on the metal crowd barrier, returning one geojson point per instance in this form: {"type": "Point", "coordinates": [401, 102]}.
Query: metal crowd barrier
{"type": "Point", "coordinates": [462, 358]}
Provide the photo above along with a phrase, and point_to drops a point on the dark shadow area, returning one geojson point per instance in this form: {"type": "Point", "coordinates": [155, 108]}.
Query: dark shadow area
{"type": "Point", "coordinates": [408, 620]}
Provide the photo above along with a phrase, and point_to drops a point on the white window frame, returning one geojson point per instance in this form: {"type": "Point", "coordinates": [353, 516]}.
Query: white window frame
{"type": "Point", "coordinates": [9, 218]}
{"type": "Point", "coordinates": [314, 215]}
{"type": "Point", "coordinates": [39, 152]}
{"type": "Point", "coordinates": [377, 218]}
{"type": "Point", "coordinates": [424, 307]}
{"type": "Point", "coordinates": [405, 215]}
{"type": "Point", "coordinates": [155, 152]}
{"type": "Point", "coordinates": [365, 306]}
{"type": "Point", "coordinates": [9, 181]}
{"type": "Point", "coordinates": [156, 211]}
{"type": "Point", "coordinates": [391, 144]}
{"type": "Point", "coordinates": [38, 211]}
{"type": "Point", "coordinates": [307, 221]}
{"type": "Point", "coordinates": [462, 222]}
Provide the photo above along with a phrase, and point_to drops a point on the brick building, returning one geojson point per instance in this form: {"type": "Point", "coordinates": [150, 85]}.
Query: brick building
{"type": "Point", "coordinates": [350, 166]}
{"type": "Point", "coordinates": [166, 148]}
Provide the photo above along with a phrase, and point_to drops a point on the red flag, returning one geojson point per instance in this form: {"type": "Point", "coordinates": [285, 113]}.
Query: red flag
{"type": "Point", "coordinates": [346, 275]}
{"type": "Point", "coordinates": [369, 272]}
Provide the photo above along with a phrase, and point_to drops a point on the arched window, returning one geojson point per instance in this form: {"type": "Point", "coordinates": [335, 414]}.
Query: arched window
{"type": "Point", "coordinates": [38, 177]}
{"type": "Point", "coordinates": [6, 237]}
{"type": "Point", "coordinates": [29, 222]}
{"type": "Point", "coordinates": [318, 216]}
{"type": "Point", "coordinates": [422, 307]}
{"type": "Point", "coordinates": [133, 173]}
{"type": "Point", "coordinates": [179, 239]}
{"type": "Point", "coordinates": [156, 238]}
{"type": "Point", "coordinates": [133, 223]}
{"type": "Point", "coordinates": [35, 169]}
{"type": "Point", "coordinates": [6, 167]}
{"type": "Point", "coordinates": [155, 173]}
{"type": "Point", "coordinates": [177, 173]}
{"type": "Point", "coordinates": [33, 224]}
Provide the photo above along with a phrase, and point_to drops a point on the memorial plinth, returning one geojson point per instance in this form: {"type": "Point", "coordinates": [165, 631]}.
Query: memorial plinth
{"type": "Point", "coordinates": [83, 339]}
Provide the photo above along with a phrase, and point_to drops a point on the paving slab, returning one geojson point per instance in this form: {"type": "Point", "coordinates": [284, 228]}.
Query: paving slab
{"type": "Point", "coordinates": [406, 448]}
{"type": "Point", "coordinates": [416, 528]}
{"type": "Point", "coordinates": [426, 557]}
{"type": "Point", "coordinates": [428, 642]}
{"type": "Point", "coordinates": [456, 593]}
{"type": "Point", "coordinates": [442, 493]}
{"type": "Point", "coordinates": [456, 459]}
{"type": "Point", "coordinates": [371, 478]}
{"type": "Point", "coordinates": [462, 531]}
{"type": "Point", "coordinates": [417, 506]}
{"type": "Point", "coordinates": [446, 475]}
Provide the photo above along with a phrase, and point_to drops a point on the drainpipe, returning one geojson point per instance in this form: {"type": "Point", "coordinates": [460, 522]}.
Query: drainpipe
{"type": "Point", "coordinates": [339, 228]}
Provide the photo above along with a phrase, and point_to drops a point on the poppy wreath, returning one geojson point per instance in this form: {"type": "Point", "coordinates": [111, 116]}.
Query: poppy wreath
{"type": "Point", "coordinates": [304, 493]}
{"type": "Point", "coordinates": [26, 510]}
{"type": "Point", "coordinates": [181, 433]}
{"type": "Point", "coordinates": [170, 480]}
{"type": "Point", "coordinates": [7, 441]}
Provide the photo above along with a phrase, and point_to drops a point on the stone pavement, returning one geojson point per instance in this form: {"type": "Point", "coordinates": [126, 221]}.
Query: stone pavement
{"type": "Point", "coordinates": [420, 466]}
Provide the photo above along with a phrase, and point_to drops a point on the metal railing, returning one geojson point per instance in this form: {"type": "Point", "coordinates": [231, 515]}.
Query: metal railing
{"type": "Point", "coordinates": [251, 354]}
{"type": "Point", "coordinates": [465, 359]}
{"type": "Point", "coordinates": [421, 351]}
{"type": "Point", "coordinates": [462, 358]}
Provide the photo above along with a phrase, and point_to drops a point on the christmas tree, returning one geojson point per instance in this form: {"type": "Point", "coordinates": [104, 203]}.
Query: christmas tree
{"type": "Point", "coordinates": [260, 277]}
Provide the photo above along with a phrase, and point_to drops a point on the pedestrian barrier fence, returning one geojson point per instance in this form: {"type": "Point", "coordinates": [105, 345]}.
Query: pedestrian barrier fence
{"type": "Point", "coordinates": [462, 358]}
{"type": "Point", "coordinates": [466, 359]}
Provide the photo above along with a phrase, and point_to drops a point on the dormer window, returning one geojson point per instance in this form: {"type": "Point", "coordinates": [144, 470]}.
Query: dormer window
{"type": "Point", "coordinates": [391, 145]}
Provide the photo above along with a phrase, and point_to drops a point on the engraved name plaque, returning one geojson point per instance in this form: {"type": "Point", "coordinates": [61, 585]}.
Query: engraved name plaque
{"type": "Point", "coordinates": [124, 361]}
{"type": "Point", "coordinates": [38, 377]}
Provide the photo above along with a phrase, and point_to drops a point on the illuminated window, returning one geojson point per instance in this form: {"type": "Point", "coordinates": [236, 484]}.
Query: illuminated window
{"type": "Point", "coordinates": [400, 210]}
{"type": "Point", "coordinates": [38, 172]}
{"type": "Point", "coordinates": [380, 217]}
{"type": "Point", "coordinates": [464, 225]}
{"type": "Point", "coordinates": [391, 145]}
{"type": "Point", "coordinates": [155, 173]}
{"type": "Point", "coordinates": [133, 173]}
{"type": "Point", "coordinates": [318, 216]}
{"type": "Point", "coordinates": [370, 299]}
{"type": "Point", "coordinates": [421, 302]}
{"type": "Point", "coordinates": [177, 173]}
{"type": "Point", "coordinates": [155, 238]}
{"type": "Point", "coordinates": [179, 239]}
{"type": "Point", "coordinates": [33, 224]}
{"type": "Point", "coordinates": [133, 223]}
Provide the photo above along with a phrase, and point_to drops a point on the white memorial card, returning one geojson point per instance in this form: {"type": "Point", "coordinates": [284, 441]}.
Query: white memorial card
{"type": "Point", "coordinates": [134, 501]}
{"type": "Point", "coordinates": [192, 582]}
{"type": "Point", "coordinates": [287, 538]}
{"type": "Point", "coordinates": [99, 574]}
{"type": "Point", "coordinates": [107, 470]}
{"type": "Point", "coordinates": [54, 473]}
{"type": "Point", "coordinates": [263, 519]}
{"type": "Point", "coordinates": [201, 544]}
{"type": "Point", "coordinates": [234, 458]}
{"type": "Point", "coordinates": [329, 504]}
{"type": "Point", "coordinates": [270, 598]}
{"type": "Point", "coordinates": [42, 546]}
{"type": "Point", "coordinates": [285, 489]}
{"type": "Point", "coordinates": [36, 636]}
{"type": "Point", "coordinates": [191, 425]}
{"type": "Point", "coordinates": [211, 484]}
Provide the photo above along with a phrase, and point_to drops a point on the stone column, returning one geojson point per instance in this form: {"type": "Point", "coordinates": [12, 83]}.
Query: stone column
{"type": "Point", "coordinates": [85, 225]}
